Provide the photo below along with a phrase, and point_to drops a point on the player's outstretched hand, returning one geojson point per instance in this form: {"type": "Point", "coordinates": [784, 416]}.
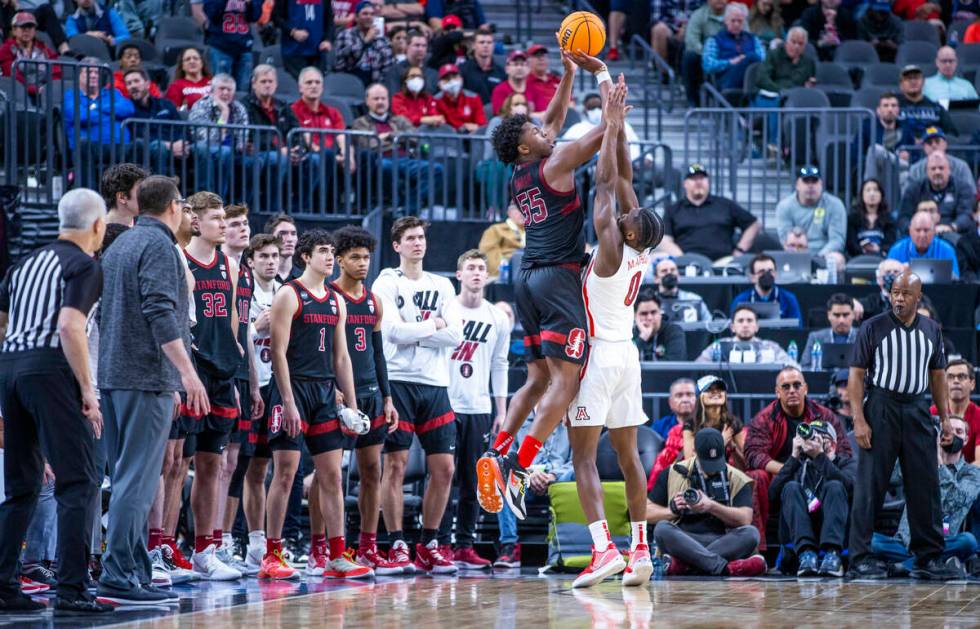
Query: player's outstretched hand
{"type": "Point", "coordinates": [566, 61]}
{"type": "Point", "coordinates": [615, 107]}
{"type": "Point", "coordinates": [582, 60]}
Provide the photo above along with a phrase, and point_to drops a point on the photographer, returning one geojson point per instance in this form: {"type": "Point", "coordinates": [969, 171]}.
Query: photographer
{"type": "Point", "coordinates": [702, 510]}
{"type": "Point", "coordinates": [813, 487]}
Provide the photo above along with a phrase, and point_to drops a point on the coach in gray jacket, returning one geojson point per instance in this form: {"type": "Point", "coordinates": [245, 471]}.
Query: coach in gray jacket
{"type": "Point", "coordinates": [144, 360]}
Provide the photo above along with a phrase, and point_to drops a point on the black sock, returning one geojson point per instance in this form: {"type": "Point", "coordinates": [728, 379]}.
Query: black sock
{"type": "Point", "coordinates": [396, 536]}
{"type": "Point", "coordinates": [429, 535]}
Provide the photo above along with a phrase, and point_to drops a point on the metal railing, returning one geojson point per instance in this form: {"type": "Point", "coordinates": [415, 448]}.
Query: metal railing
{"type": "Point", "coordinates": [655, 94]}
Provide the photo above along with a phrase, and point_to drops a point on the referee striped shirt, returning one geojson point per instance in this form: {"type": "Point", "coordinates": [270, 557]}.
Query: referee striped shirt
{"type": "Point", "coordinates": [898, 358]}
{"type": "Point", "coordinates": [59, 275]}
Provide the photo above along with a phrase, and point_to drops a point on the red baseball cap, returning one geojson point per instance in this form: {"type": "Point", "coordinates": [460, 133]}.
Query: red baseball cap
{"type": "Point", "coordinates": [449, 68]}
{"type": "Point", "coordinates": [517, 54]}
{"type": "Point", "coordinates": [536, 49]}
{"type": "Point", "coordinates": [23, 18]}
{"type": "Point", "coordinates": [451, 20]}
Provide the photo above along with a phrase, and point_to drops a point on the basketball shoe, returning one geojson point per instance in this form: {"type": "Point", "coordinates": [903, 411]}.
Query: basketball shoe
{"type": "Point", "coordinates": [275, 567]}
{"type": "Point", "coordinates": [604, 564]}
{"type": "Point", "coordinates": [371, 558]}
{"type": "Point", "coordinates": [640, 566]}
{"type": "Point", "coordinates": [317, 564]}
{"type": "Point", "coordinates": [429, 559]}
{"type": "Point", "coordinates": [399, 557]}
{"type": "Point", "coordinates": [344, 567]}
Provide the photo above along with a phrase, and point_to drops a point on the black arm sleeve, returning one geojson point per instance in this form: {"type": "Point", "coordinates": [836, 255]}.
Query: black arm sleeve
{"type": "Point", "coordinates": [380, 365]}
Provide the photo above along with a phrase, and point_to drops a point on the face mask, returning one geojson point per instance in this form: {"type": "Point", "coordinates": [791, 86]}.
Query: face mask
{"type": "Point", "coordinates": [379, 117]}
{"type": "Point", "coordinates": [415, 84]}
{"type": "Point", "coordinates": [520, 110]}
{"type": "Point", "coordinates": [887, 281]}
{"type": "Point", "coordinates": [954, 446]}
{"type": "Point", "coordinates": [594, 116]}
{"type": "Point", "coordinates": [767, 280]}
{"type": "Point", "coordinates": [669, 281]}
{"type": "Point", "coordinates": [453, 87]}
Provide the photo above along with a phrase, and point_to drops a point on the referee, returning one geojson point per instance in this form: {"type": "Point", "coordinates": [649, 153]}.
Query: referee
{"type": "Point", "coordinates": [48, 397]}
{"type": "Point", "coordinates": [898, 355]}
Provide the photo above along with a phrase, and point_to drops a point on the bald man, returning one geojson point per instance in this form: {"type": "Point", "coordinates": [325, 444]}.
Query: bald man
{"type": "Point", "coordinates": [945, 85]}
{"type": "Point", "coordinates": [922, 242]}
{"type": "Point", "coordinates": [955, 200]}
{"type": "Point", "coordinates": [898, 357]}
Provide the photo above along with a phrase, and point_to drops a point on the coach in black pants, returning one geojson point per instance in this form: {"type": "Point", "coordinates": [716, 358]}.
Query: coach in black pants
{"type": "Point", "coordinates": [898, 355]}
{"type": "Point", "coordinates": [48, 397]}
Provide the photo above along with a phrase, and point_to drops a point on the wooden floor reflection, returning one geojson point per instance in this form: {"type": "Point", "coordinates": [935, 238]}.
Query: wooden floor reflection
{"type": "Point", "coordinates": [534, 603]}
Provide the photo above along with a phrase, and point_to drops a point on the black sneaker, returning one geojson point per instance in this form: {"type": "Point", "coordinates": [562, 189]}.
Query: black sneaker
{"type": "Point", "coordinates": [515, 484]}
{"type": "Point", "coordinates": [808, 564]}
{"type": "Point", "coordinates": [171, 596]}
{"type": "Point", "coordinates": [81, 606]}
{"type": "Point", "coordinates": [831, 565]}
{"type": "Point", "coordinates": [869, 568]}
{"type": "Point", "coordinates": [37, 572]}
{"type": "Point", "coordinates": [19, 603]}
{"type": "Point", "coordinates": [131, 596]}
{"type": "Point", "coordinates": [936, 569]}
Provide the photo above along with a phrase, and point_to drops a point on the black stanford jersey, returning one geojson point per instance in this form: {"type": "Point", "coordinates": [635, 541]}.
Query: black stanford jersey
{"type": "Point", "coordinates": [310, 350]}
{"type": "Point", "coordinates": [243, 300]}
{"type": "Point", "coordinates": [362, 316]}
{"type": "Point", "coordinates": [215, 349]}
{"type": "Point", "coordinates": [553, 221]}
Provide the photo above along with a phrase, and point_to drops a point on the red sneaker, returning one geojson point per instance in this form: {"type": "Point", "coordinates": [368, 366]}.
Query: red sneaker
{"type": "Point", "coordinates": [754, 566]}
{"type": "Point", "coordinates": [371, 558]}
{"type": "Point", "coordinates": [509, 557]}
{"type": "Point", "coordinates": [468, 559]}
{"type": "Point", "coordinates": [344, 567]}
{"type": "Point", "coordinates": [430, 559]}
{"type": "Point", "coordinates": [604, 564]}
{"type": "Point", "coordinates": [640, 566]}
{"type": "Point", "coordinates": [675, 567]}
{"type": "Point", "coordinates": [612, 55]}
{"type": "Point", "coordinates": [179, 560]}
{"type": "Point", "coordinates": [399, 557]}
{"type": "Point", "coordinates": [446, 550]}
{"type": "Point", "coordinates": [30, 587]}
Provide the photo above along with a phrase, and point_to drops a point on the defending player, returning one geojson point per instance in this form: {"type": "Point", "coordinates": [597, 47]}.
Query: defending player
{"type": "Point", "coordinates": [610, 394]}
{"type": "Point", "coordinates": [548, 290]}
{"type": "Point", "coordinates": [366, 349]}
{"type": "Point", "coordinates": [310, 360]}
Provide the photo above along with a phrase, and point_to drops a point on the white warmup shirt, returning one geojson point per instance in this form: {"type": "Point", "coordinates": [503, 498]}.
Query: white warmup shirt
{"type": "Point", "coordinates": [479, 363]}
{"type": "Point", "coordinates": [262, 301]}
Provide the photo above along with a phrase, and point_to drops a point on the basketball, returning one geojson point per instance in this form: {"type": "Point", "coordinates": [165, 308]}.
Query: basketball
{"type": "Point", "coordinates": [583, 32]}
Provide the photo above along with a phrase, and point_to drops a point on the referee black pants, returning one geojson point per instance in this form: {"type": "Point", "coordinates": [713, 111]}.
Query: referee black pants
{"type": "Point", "coordinates": [43, 421]}
{"type": "Point", "coordinates": [901, 428]}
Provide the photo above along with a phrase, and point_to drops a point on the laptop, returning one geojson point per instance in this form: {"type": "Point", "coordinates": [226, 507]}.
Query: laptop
{"type": "Point", "coordinates": [968, 104]}
{"type": "Point", "coordinates": [932, 270]}
{"type": "Point", "coordinates": [836, 355]}
{"type": "Point", "coordinates": [792, 266]}
{"type": "Point", "coordinates": [764, 309]}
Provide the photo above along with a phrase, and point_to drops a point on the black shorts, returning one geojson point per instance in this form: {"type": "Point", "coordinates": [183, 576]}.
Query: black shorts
{"type": "Point", "coordinates": [423, 410]}
{"type": "Point", "coordinates": [244, 433]}
{"type": "Point", "coordinates": [550, 307]}
{"type": "Point", "coordinates": [316, 402]}
{"type": "Point", "coordinates": [373, 406]}
{"type": "Point", "coordinates": [213, 431]}
{"type": "Point", "coordinates": [261, 426]}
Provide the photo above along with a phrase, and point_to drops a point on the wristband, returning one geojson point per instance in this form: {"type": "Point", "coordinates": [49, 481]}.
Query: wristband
{"type": "Point", "coordinates": [602, 76]}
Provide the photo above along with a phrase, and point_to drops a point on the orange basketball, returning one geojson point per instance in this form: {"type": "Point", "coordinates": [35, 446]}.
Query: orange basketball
{"type": "Point", "coordinates": [582, 31]}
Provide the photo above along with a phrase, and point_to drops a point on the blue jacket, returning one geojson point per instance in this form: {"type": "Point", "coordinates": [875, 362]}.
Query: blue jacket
{"type": "Point", "coordinates": [157, 109]}
{"type": "Point", "coordinates": [789, 307]}
{"type": "Point", "coordinates": [904, 250]}
{"type": "Point", "coordinates": [96, 118]}
{"type": "Point", "coordinates": [313, 16]}
{"type": "Point", "coordinates": [718, 50]}
{"type": "Point", "coordinates": [228, 25]}
{"type": "Point", "coordinates": [105, 20]}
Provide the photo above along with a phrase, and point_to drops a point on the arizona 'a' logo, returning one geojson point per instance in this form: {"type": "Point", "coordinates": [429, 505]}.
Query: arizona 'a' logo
{"type": "Point", "coordinates": [575, 345]}
{"type": "Point", "coordinates": [581, 415]}
{"type": "Point", "coordinates": [275, 420]}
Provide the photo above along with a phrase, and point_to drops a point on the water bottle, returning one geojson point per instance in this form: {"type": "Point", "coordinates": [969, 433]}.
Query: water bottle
{"type": "Point", "coordinates": [793, 350]}
{"type": "Point", "coordinates": [831, 270]}
{"type": "Point", "coordinates": [817, 354]}
{"type": "Point", "coordinates": [716, 352]}
{"type": "Point", "coordinates": [504, 271]}
{"type": "Point", "coordinates": [658, 562]}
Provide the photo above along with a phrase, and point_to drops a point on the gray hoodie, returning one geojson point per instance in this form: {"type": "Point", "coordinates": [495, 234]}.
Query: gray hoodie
{"type": "Point", "coordinates": [825, 224]}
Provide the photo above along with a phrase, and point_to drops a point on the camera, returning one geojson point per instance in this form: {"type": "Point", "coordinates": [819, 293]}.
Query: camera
{"type": "Point", "coordinates": [804, 431]}
{"type": "Point", "coordinates": [692, 496]}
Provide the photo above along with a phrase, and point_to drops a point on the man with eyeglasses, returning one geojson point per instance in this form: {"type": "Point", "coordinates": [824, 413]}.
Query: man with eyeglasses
{"type": "Point", "coordinates": [960, 383]}
{"type": "Point", "coordinates": [945, 85]}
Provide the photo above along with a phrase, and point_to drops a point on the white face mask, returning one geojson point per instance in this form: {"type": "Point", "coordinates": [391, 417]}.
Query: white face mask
{"type": "Point", "coordinates": [453, 87]}
{"type": "Point", "coordinates": [415, 84]}
{"type": "Point", "coordinates": [520, 110]}
{"type": "Point", "coordinates": [594, 116]}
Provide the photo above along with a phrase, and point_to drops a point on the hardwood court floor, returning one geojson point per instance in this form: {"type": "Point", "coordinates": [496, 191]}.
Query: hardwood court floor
{"type": "Point", "coordinates": [526, 600]}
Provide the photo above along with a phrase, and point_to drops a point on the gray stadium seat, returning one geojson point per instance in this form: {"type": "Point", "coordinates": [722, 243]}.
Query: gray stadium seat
{"type": "Point", "coordinates": [648, 443]}
{"type": "Point", "coordinates": [271, 55]}
{"type": "Point", "coordinates": [90, 47]}
{"type": "Point", "coordinates": [920, 31]}
{"type": "Point", "coordinates": [170, 48]}
{"type": "Point", "coordinates": [806, 97]}
{"type": "Point", "coordinates": [179, 27]}
{"type": "Point", "coordinates": [345, 87]}
{"type": "Point", "coordinates": [286, 86]}
{"type": "Point", "coordinates": [834, 81]}
{"type": "Point", "coordinates": [867, 97]}
{"type": "Point", "coordinates": [855, 53]}
{"type": "Point", "coordinates": [921, 53]}
{"type": "Point", "coordinates": [967, 123]}
{"type": "Point", "coordinates": [881, 75]}
{"type": "Point", "coordinates": [148, 51]}
{"type": "Point", "coordinates": [342, 107]}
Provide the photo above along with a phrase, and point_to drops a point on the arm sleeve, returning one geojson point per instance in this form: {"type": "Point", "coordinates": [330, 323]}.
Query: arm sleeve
{"type": "Point", "coordinates": [744, 497]}
{"type": "Point", "coordinates": [397, 331]}
{"type": "Point", "coordinates": [500, 366]}
{"type": "Point", "coordinates": [452, 334]}
{"type": "Point", "coordinates": [863, 352]}
{"type": "Point", "coordinates": [757, 443]}
{"type": "Point", "coordinates": [764, 80]}
{"type": "Point", "coordinates": [5, 293]}
{"type": "Point", "coordinates": [759, 53]}
{"type": "Point", "coordinates": [783, 218]}
{"type": "Point", "coordinates": [693, 32]}
{"type": "Point", "coordinates": [785, 475]}
{"type": "Point", "coordinates": [71, 27]}
{"type": "Point", "coordinates": [380, 364]}
{"type": "Point", "coordinates": [119, 30]}
{"type": "Point", "coordinates": [742, 217]}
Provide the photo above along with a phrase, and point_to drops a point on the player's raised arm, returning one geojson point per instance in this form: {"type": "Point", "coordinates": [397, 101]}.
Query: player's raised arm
{"type": "Point", "coordinates": [607, 180]}
{"type": "Point", "coordinates": [625, 194]}
{"type": "Point", "coordinates": [554, 116]}
{"type": "Point", "coordinates": [568, 156]}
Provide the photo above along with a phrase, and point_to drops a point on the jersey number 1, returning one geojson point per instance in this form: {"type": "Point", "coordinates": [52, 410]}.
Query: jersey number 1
{"type": "Point", "coordinates": [634, 288]}
{"type": "Point", "coordinates": [323, 339]}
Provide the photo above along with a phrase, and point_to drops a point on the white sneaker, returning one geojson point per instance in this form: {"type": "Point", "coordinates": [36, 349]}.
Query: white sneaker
{"type": "Point", "coordinates": [160, 576]}
{"type": "Point", "coordinates": [255, 553]}
{"type": "Point", "coordinates": [207, 564]}
{"type": "Point", "coordinates": [177, 575]}
{"type": "Point", "coordinates": [226, 557]}
{"type": "Point", "coordinates": [316, 565]}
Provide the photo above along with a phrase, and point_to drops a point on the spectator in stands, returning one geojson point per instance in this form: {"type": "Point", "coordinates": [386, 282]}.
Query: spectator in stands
{"type": "Point", "coordinates": [766, 22]}
{"type": "Point", "coordinates": [684, 305]}
{"type": "Point", "coordinates": [130, 58]}
{"type": "Point", "coordinates": [618, 9]}
{"type": "Point", "coordinates": [870, 228]}
{"type": "Point", "coordinates": [501, 240]}
{"type": "Point", "coordinates": [140, 16]}
{"type": "Point", "coordinates": [882, 29]}
{"type": "Point", "coordinates": [945, 86]}
{"type": "Point", "coordinates": [840, 315]}
{"type": "Point", "coordinates": [955, 202]}
{"type": "Point", "coordinates": [462, 110]}
{"type": "Point", "coordinates": [306, 29]}
{"type": "Point", "coordinates": [959, 489]}
{"type": "Point", "coordinates": [828, 24]}
{"type": "Point", "coordinates": [713, 535]}
{"type": "Point", "coordinates": [668, 19]}
{"type": "Point", "coordinates": [361, 50]}
{"type": "Point", "coordinates": [414, 173]}
{"type": "Point", "coordinates": [960, 384]}
{"type": "Point", "coordinates": [470, 13]}
{"type": "Point", "coordinates": [591, 117]}
{"type": "Point", "coordinates": [415, 103]}
{"type": "Point", "coordinates": [542, 83]}
{"type": "Point", "coordinates": [706, 224]}
{"type": "Point", "coordinates": [415, 53]}
{"type": "Point", "coordinates": [968, 249]}
{"type": "Point", "coordinates": [162, 142]}
{"type": "Point", "coordinates": [839, 399]}
{"type": "Point", "coordinates": [762, 272]}
{"type": "Point", "coordinates": [879, 146]}
{"type": "Point", "coordinates": [935, 141]}
{"type": "Point", "coordinates": [273, 154]}
{"type": "Point", "coordinates": [229, 36]}
{"type": "Point", "coordinates": [45, 17]}
{"type": "Point", "coordinates": [732, 50]}
{"type": "Point", "coordinates": [870, 305]}
{"type": "Point", "coordinates": [656, 339]}
{"type": "Point", "coordinates": [769, 443]}
{"type": "Point", "coordinates": [516, 83]}
{"type": "Point", "coordinates": [784, 67]}
{"type": "Point", "coordinates": [480, 73]}
{"type": "Point", "coordinates": [311, 113]}
{"type": "Point", "coordinates": [921, 10]}
{"type": "Point", "coordinates": [705, 23]}
{"type": "Point", "coordinates": [93, 20]}
{"type": "Point", "coordinates": [398, 38]}
{"type": "Point", "coordinates": [819, 213]}
{"type": "Point", "coordinates": [796, 241]}
{"type": "Point", "coordinates": [751, 349]}
{"type": "Point", "coordinates": [681, 404]}
{"type": "Point", "coordinates": [916, 111]}
{"type": "Point", "coordinates": [927, 310]}
{"type": "Point", "coordinates": [447, 44]}
{"type": "Point", "coordinates": [24, 46]}
{"type": "Point", "coordinates": [218, 149]}
{"type": "Point", "coordinates": [192, 79]}
{"type": "Point", "coordinates": [813, 490]}
{"type": "Point", "coordinates": [923, 242]}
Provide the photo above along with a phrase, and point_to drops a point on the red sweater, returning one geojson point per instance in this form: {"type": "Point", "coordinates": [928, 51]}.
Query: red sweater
{"type": "Point", "coordinates": [542, 90]}
{"type": "Point", "coordinates": [414, 107]}
{"type": "Point", "coordinates": [184, 92]}
{"type": "Point", "coordinates": [325, 117]}
{"type": "Point", "coordinates": [466, 107]}
{"type": "Point", "coordinates": [972, 419]}
{"type": "Point", "coordinates": [9, 53]}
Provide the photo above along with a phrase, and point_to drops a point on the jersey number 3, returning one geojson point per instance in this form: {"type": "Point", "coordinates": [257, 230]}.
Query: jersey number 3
{"type": "Point", "coordinates": [361, 339]}
{"type": "Point", "coordinates": [634, 288]}
{"type": "Point", "coordinates": [532, 206]}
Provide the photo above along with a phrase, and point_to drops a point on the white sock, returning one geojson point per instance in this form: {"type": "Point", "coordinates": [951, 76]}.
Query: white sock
{"type": "Point", "coordinates": [638, 531]}
{"type": "Point", "coordinates": [256, 538]}
{"type": "Point", "coordinates": [601, 539]}
{"type": "Point", "coordinates": [227, 540]}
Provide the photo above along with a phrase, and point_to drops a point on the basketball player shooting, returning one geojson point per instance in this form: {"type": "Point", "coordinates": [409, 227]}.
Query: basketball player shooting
{"type": "Point", "coordinates": [548, 289]}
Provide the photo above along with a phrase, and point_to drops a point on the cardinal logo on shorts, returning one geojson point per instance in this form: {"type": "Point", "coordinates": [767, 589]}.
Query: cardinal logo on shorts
{"type": "Point", "coordinates": [575, 346]}
{"type": "Point", "coordinates": [275, 420]}
{"type": "Point", "coordinates": [581, 415]}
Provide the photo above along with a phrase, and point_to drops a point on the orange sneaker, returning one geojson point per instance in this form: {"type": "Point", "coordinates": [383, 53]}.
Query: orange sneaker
{"type": "Point", "coordinates": [275, 567]}
{"type": "Point", "coordinates": [489, 483]}
{"type": "Point", "coordinates": [604, 564]}
{"type": "Point", "coordinates": [344, 567]}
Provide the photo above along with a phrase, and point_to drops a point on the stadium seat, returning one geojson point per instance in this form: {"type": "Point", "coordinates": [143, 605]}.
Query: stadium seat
{"type": "Point", "coordinates": [855, 54]}
{"type": "Point", "coordinates": [271, 55]}
{"type": "Point", "coordinates": [862, 267]}
{"type": "Point", "coordinates": [956, 31]}
{"type": "Point", "coordinates": [286, 86]}
{"type": "Point", "coordinates": [967, 123]}
{"type": "Point", "coordinates": [179, 27]}
{"type": "Point", "coordinates": [89, 46]}
{"type": "Point", "coordinates": [148, 51]}
{"type": "Point", "coordinates": [701, 262]}
{"type": "Point", "coordinates": [868, 97]}
{"type": "Point", "coordinates": [648, 443]}
{"type": "Point", "coordinates": [344, 87]}
{"type": "Point", "coordinates": [883, 75]}
{"type": "Point", "coordinates": [835, 81]}
{"type": "Point", "coordinates": [570, 544]}
{"type": "Point", "coordinates": [170, 48]}
{"type": "Point", "coordinates": [806, 97]}
{"type": "Point", "coordinates": [920, 31]}
{"type": "Point", "coordinates": [921, 53]}
{"type": "Point", "coordinates": [342, 107]}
